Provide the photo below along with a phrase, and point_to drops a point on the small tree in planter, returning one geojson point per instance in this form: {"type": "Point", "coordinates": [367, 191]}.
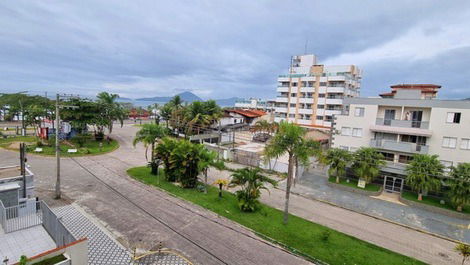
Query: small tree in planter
{"type": "Point", "coordinates": [423, 174]}
{"type": "Point", "coordinates": [148, 134]}
{"type": "Point", "coordinates": [367, 163]}
{"type": "Point", "coordinates": [459, 192]}
{"type": "Point", "coordinates": [221, 183]}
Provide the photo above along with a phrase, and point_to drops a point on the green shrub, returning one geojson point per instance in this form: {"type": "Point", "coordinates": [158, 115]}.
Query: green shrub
{"type": "Point", "coordinates": [325, 235]}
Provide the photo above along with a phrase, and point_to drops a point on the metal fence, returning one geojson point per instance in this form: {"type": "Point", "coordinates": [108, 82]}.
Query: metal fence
{"type": "Point", "coordinates": [20, 216]}
{"type": "Point", "coordinates": [54, 227]}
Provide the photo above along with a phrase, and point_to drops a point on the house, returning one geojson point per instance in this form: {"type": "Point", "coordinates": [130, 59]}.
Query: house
{"type": "Point", "coordinates": [244, 116]}
{"type": "Point", "coordinates": [29, 227]}
{"type": "Point", "coordinates": [409, 120]}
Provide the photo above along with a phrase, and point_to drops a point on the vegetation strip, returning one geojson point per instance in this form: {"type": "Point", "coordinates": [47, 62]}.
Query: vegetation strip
{"type": "Point", "coordinates": [308, 238]}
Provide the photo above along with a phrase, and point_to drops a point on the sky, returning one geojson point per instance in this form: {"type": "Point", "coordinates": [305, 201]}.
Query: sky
{"type": "Point", "coordinates": [220, 49]}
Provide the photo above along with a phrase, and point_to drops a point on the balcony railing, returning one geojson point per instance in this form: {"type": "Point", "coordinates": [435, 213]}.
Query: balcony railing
{"type": "Point", "coordinates": [399, 146]}
{"type": "Point", "coordinates": [402, 123]}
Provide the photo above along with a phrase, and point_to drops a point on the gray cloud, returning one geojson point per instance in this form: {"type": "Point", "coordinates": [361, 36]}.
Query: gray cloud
{"type": "Point", "coordinates": [226, 48]}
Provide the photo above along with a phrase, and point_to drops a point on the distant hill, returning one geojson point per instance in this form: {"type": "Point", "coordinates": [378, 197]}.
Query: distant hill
{"type": "Point", "coordinates": [185, 96]}
{"type": "Point", "coordinates": [227, 102]}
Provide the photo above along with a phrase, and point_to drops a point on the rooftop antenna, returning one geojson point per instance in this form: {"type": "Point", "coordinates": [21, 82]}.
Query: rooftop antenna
{"type": "Point", "coordinates": [306, 45]}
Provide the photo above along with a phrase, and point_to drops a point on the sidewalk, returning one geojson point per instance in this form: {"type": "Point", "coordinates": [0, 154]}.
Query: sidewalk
{"type": "Point", "coordinates": [409, 242]}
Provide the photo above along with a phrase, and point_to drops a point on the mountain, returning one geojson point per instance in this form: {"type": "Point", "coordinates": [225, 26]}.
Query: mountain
{"type": "Point", "coordinates": [185, 96]}
{"type": "Point", "coordinates": [227, 102]}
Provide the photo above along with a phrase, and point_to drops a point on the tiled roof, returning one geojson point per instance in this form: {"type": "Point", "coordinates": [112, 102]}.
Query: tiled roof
{"type": "Point", "coordinates": [248, 113]}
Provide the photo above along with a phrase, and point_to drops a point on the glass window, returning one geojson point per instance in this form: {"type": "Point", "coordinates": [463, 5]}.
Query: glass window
{"type": "Point", "coordinates": [359, 112]}
{"type": "Point", "coordinates": [291, 115]}
{"type": "Point", "coordinates": [292, 105]}
{"type": "Point", "coordinates": [449, 142]}
{"type": "Point", "coordinates": [320, 106]}
{"type": "Point", "coordinates": [465, 144]}
{"type": "Point", "coordinates": [447, 165]}
{"type": "Point", "coordinates": [453, 117]}
{"type": "Point", "coordinates": [346, 131]}
{"type": "Point", "coordinates": [357, 132]}
{"type": "Point", "coordinates": [320, 118]}
{"type": "Point", "coordinates": [321, 95]}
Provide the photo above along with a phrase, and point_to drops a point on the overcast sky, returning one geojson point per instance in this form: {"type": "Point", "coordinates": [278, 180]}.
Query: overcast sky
{"type": "Point", "coordinates": [220, 49]}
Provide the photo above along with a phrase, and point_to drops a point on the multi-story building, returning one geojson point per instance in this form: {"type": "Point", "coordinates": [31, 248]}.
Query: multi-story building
{"type": "Point", "coordinates": [255, 103]}
{"type": "Point", "coordinates": [407, 121]}
{"type": "Point", "coordinates": [310, 94]}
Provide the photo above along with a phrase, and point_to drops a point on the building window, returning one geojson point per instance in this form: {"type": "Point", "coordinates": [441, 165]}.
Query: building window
{"type": "Point", "coordinates": [344, 147]}
{"type": "Point", "coordinates": [320, 118]}
{"type": "Point", "coordinates": [453, 117]}
{"type": "Point", "coordinates": [359, 112]}
{"type": "Point", "coordinates": [310, 83]}
{"type": "Point", "coordinates": [346, 131]}
{"type": "Point", "coordinates": [449, 142]}
{"type": "Point", "coordinates": [465, 144]}
{"type": "Point", "coordinates": [404, 159]}
{"type": "Point", "coordinates": [321, 95]}
{"type": "Point", "coordinates": [293, 94]}
{"type": "Point", "coordinates": [322, 83]}
{"type": "Point", "coordinates": [357, 132]}
{"type": "Point", "coordinates": [388, 156]}
{"type": "Point", "coordinates": [291, 115]}
{"type": "Point", "coordinates": [307, 117]}
{"type": "Point", "coordinates": [320, 106]}
{"type": "Point", "coordinates": [292, 105]}
{"type": "Point", "coordinates": [294, 83]}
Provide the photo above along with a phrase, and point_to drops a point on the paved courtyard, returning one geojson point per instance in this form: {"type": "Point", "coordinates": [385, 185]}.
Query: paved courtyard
{"type": "Point", "coordinates": [314, 185]}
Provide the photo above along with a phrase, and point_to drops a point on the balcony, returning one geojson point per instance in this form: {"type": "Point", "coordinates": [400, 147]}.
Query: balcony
{"type": "Point", "coordinates": [403, 124]}
{"type": "Point", "coordinates": [282, 89]}
{"type": "Point", "coordinates": [419, 128]}
{"type": "Point", "coordinates": [281, 99]}
{"type": "Point", "coordinates": [404, 147]}
{"type": "Point", "coordinates": [280, 109]}
{"type": "Point", "coordinates": [396, 168]}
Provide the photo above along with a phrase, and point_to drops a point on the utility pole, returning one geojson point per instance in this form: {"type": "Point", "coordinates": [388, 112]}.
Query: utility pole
{"type": "Point", "coordinates": [23, 129]}
{"type": "Point", "coordinates": [57, 148]}
{"type": "Point", "coordinates": [57, 142]}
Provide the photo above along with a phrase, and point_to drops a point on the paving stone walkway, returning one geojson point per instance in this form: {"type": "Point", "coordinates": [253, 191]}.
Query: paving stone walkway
{"type": "Point", "coordinates": [102, 249]}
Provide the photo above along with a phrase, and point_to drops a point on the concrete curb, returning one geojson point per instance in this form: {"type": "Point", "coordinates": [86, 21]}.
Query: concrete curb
{"type": "Point", "coordinates": [379, 218]}
{"type": "Point", "coordinates": [434, 209]}
{"type": "Point", "coordinates": [354, 190]}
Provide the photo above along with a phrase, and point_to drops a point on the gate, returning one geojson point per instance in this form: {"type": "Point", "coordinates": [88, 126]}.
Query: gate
{"type": "Point", "coordinates": [393, 184]}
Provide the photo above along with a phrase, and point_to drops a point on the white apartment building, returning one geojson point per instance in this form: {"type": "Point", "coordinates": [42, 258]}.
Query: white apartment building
{"type": "Point", "coordinates": [407, 121]}
{"type": "Point", "coordinates": [255, 103]}
{"type": "Point", "coordinates": [310, 94]}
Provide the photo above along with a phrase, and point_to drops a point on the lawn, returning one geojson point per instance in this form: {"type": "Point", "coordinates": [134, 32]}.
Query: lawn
{"type": "Point", "coordinates": [90, 147]}
{"type": "Point", "coordinates": [353, 184]}
{"type": "Point", "coordinates": [51, 261]}
{"type": "Point", "coordinates": [300, 236]}
{"type": "Point", "coordinates": [436, 202]}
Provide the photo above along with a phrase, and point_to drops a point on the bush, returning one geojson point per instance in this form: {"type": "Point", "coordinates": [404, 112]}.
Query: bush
{"type": "Point", "coordinates": [81, 139]}
{"type": "Point", "coordinates": [39, 143]}
{"type": "Point", "coordinates": [99, 136]}
{"type": "Point", "coordinates": [325, 235]}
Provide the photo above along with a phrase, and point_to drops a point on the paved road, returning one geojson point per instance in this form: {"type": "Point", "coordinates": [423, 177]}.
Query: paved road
{"type": "Point", "coordinates": [140, 218]}
{"type": "Point", "coordinates": [143, 216]}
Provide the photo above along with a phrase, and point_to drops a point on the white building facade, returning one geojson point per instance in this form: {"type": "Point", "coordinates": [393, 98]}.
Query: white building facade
{"type": "Point", "coordinates": [405, 125]}
{"type": "Point", "coordinates": [310, 94]}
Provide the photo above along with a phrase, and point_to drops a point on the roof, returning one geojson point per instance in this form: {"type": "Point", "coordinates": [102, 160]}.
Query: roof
{"type": "Point", "coordinates": [415, 86]}
{"type": "Point", "coordinates": [248, 113]}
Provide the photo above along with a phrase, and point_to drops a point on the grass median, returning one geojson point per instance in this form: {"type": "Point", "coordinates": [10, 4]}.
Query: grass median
{"type": "Point", "coordinates": [299, 235]}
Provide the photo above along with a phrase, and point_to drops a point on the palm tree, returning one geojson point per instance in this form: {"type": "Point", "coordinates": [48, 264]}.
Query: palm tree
{"type": "Point", "coordinates": [165, 113]}
{"type": "Point", "coordinates": [251, 182]}
{"type": "Point", "coordinates": [148, 134]}
{"type": "Point", "coordinates": [153, 109]}
{"type": "Point", "coordinates": [423, 174]}
{"type": "Point", "coordinates": [463, 250]}
{"type": "Point", "coordinates": [459, 192]}
{"type": "Point", "coordinates": [176, 101]}
{"type": "Point", "coordinates": [338, 160]}
{"type": "Point", "coordinates": [367, 162]}
{"type": "Point", "coordinates": [111, 109]}
{"type": "Point", "coordinates": [208, 159]}
{"type": "Point", "coordinates": [196, 116]}
{"type": "Point", "coordinates": [290, 139]}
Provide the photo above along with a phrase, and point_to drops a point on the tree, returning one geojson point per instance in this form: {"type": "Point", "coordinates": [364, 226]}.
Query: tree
{"type": "Point", "coordinates": [459, 192]}
{"type": "Point", "coordinates": [165, 113]}
{"type": "Point", "coordinates": [366, 163]}
{"type": "Point", "coordinates": [463, 250]}
{"type": "Point", "coordinates": [148, 135]}
{"type": "Point", "coordinates": [176, 102]}
{"type": "Point", "coordinates": [423, 174]}
{"type": "Point", "coordinates": [201, 114]}
{"type": "Point", "coordinates": [251, 182]}
{"type": "Point", "coordinates": [338, 160]}
{"type": "Point", "coordinates": [290, 139]}
{"type": "Point", "coordinates": [111, 110]}
{"type": "Point", "coordinates": [208, 159]}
